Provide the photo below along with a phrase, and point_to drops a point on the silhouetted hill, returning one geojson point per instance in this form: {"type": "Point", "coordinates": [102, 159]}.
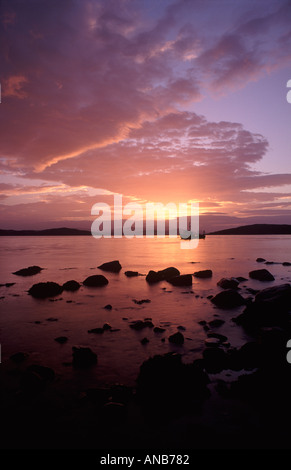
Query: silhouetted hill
{"type": "Point", "coordinates": [256, 229]}
{"type": "Point", "coordinates": [52, 231]}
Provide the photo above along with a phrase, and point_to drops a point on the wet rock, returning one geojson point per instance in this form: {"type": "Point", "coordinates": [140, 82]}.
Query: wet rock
{"type": "Point", "coordinates": [286, 263]}
{"type": "Point", "coordinates": [228, 299]}
{"type": "Point", "coordinates": [106, 326]}
{"type": "Point", "coordinates": [158, 329]}
{"type": "Point", "coordinates": [97, 331]}
{"type": "Point", "coordinates": [46, 373]}
{"type": "Point", "coordinates": [108, 307]}
{"type": "Point", "coordinates": [19, 357]}
{"type": "Point", "coordinates": [260, 260]}
{"type": "Point", "coordinates": [96, 280]}
{"type": "Point", "coordinates": [52, 319]}
{"type": "Point", "coordinates": [226, 283]}
{"type": "Point", "coordinates": [214, 359]}
{"type": "Point", "coordinates": [30, 271]}
{"type": "Point", "coordinates": [221, 338]}
{"type": "Point", "coordinates": [176, 338]}
{"type": "Point", "coordinates": [181, 328]}
{"type": "Point", "coordinates": [83, 357]}
{"type": "Point", "coordinates": [204, 274]}
{"type": "Point", "coordinates": [163, 275]}
{"type": "Point", "coordinates": [140, 325]}
{"type": "Point", "coordinates": [142, 301]}
{"type": "Point", "coordinates": [71, 286]}
{"type": "Point", "coordinates": [261, 275]}
{"type": "Point", "coordinates": [43, 290]}
{"type": "Point", "coordinates": [7, 284]}
{"type": "Point", "coordinates": [112, 266]}
{"type": "Point", "coordinates": [145, 341]}
{"type": "Point", "coordinates": [61, 339]}
{"type": "Point", "coordinates": [212, 342]}
{"type": "Point", "coordinates": [131, 273]}
{"type": "Point", "coordinates": [182, 280]}
{"type": "Point", "coordinates": [241, 279]}
{"type": "Point", "coordinates": [216, 323]}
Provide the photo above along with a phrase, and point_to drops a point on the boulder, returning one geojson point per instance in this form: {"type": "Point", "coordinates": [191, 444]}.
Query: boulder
{"type": "Point", "coordinates": [227, 283]}
{"type": "Point", "coordinates": [176, 338]}
{"type": "Point", "coordinates": [71, 286]}
{"type": "Point", "coordinates": [204, 274]}
{"type": "Point", "coordinates": [45, 289]}
{"type": "Point", "coordinates": [131, 273]}
{"type": "Point", "coordinates": [183, 280]}
{"type": "Point", "coordinates": [96, 280]}
{"type": "Point", "coordinates": [228, 299]}
{"type": "Point", "coordinates": [261, 275]}
{"type": "Point", "coordinates": [30, 271]}
{"type": "Point", "coordinates": [163, 275]}
{"type": "Point", "coordinates": [83, 357]}
{"type": "Point", "coordinates": [112, 266]}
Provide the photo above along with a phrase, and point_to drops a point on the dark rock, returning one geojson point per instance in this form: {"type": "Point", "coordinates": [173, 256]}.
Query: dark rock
{"type": "Point", "coordinates": [216, 323]}
{"type": "Point", "coordinates": [163, 275]}
{"type": "Point", "coordinates": [260, 260]}
{"type": "Point", "coordinates": [142, 301]}
{"type": "Point", "coordinates": [218, 336]}
{"type": "Point", "coordinates": [96, 280]}
{"type": "Point", "coordinates": [212, 342]}
{"type": "Point", "coordinates": [131, 273]}
{"type": "Point", "coordinates": [140, 325]}
{"type": "Point", "coordinates": [145, 341]}
{"type": "Point", "coordinates": [46, 373]}
{"type": "Point", "coordinates": [286, 263]}
{"type": "Point", "coordinates": [241, 279]}
{"type": "Point", "coordinates": [30, 271]}
{"type": "Point", "coordinates": [61, 339]}
{"type": "Point", "coordinates": [214, 359]}
{"type": "Point", "coordinates": [228, 299]}
{"type": "Point", "coordinates": [177, 338]}
{"type": "Point", "coordinates": [108, 307]}
{"type": "Point", "coordinates": [181, 328]}
{"type": "Point", "coordinates": [202, 322]}
{"type": "Point", "coordinates": [106, 326]}
{"type": "Point", "coordinates": [98, 331]}
{"type": "Point", "coordinates": [112, 266]}
{"type": "Point", "coordinates": [51, 319]}
{"type": "Point", "coordinates": [228, 283]}
{"type": "Point", "coordinates": [19, 357]}
{"type": "Point", "coordinates": [71, 286]}
{"type": "Point", "coordinates": [8, 284]}
{"type": "Point", "coordinates": [45, 289]}
{"type": "Point", "coordinates": [31, 383]}
{"type": "Point", "coordinates": [206, 273]}
{"type": "Point", "coordinates": [183, 280]}
{"type": "Point", "coordinates": [261, 275]}
{"type": "Point", "coordinates": [83, 357]}
{"type": "Point", "coordinates": [158, 329]}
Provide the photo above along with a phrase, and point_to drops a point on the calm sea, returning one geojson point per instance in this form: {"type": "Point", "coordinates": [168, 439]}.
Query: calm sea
{"type": "Point", "coordinates": [26, 323]}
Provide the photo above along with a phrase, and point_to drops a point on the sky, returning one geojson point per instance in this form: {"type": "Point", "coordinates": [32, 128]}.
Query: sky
{"type": "Point", "coordinates": [155, 100]}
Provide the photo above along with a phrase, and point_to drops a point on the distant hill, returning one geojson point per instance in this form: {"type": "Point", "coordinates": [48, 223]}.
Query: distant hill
{"type": "Point", "coordinates": [51, 231]}
{"type": "Point", "coordinates": [256, 229]}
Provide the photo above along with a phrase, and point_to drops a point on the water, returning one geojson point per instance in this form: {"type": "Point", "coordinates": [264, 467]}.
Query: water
{"type": "Point", "coordinates": [24, 323]}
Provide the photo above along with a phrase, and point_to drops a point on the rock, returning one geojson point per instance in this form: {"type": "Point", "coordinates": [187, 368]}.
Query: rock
{"type": "Point", "coordinates": [113, 412]}
{"type": "Point", "coordinates": [228, 299]}
{"type": "Point", "coordinates": [71, 286]}
{"type": "Point", "coordinates": [96, 280]}
{"type": "Point", "coordinates": [61, 339]}
{"type": "Point", "coordinates": [108, 307]}
{"type": "Point", "coordinates": [46, 373]}
{"type": "Point", "coordinates": [145, 341]}
{"type": "Point", "coordinates": [241, 279]}
{"type": "Point", "coordinates": [112, 266]}
{"type": "Point", "coordinates": [158, 329]}
{"type": "Point", "coordinates": [83, 357]}
{"type": "Point", "coordinates": [228, 283]}
{"type": "Point", "coordinates": [214, 359]}
{"type": "Point", "coordinates": [261, 275]}
{"type": "Point", "coordinates": [260, 260]}
{"type": "Point", "coordinates": [216, 323]}
{"type": "Point", "coordinates": [140, 325]}
{"type": "Point", "coordinates": [206, 273]}
{"type": "Point", "coordinates": [181, 328]}
{"type": "Point", "coordinates": [142, 301]}
{"type": "Point", "coordinates": [182, 280]}
{"type": "Point", "coordinates": [106, 326]}
{"type": "Point", "coordinates": [131, 273]}
{"type": "Point", "coordinates": [52, 319]}
{"type": "Point", "coordinates": [45, 289]}
{"type": "Point", "coordinates": [30, 271]}
{"type": "Point", "coordinates": [98, 331]}
{"type": "Point", "coordinates": [31, 383]}
{"type": "Point", "coordinates": [212, 342]}
{"type": "Point", "coordinates": [177, 338]}
{"type": "Point", "coordinates": [221, 338]}
{"type": "Point", "coordinates": [277, 296]}
{"type": "Point", "coordinates": [286, 263]}
{"type": "Point", "coordinates": [19, 357]}
{"type": "Point", "coordinates": [8, 284]}
{"type": "Point", "coordinates": [163, 275]}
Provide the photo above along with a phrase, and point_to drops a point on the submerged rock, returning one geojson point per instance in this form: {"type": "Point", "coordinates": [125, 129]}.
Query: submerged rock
{"type": "Point", "coordinates": [45, 289]}
{"type": "Point", "coordinates": [182, 280]}
{"type": "Point", "coordinates": [131, 273]}
{"type": "Point", "coordinates": [30, 271]}
{"type": "Point", "coordinates": [61, 339]}
{"type": "Point", "coordinates": [261, 275]}
{"type": "Point", "coordinates": [142, 301]}
{"type": "Point", "coordinates": [228, 299]}
{"type": "Point", "coordinates": [140, 325]}
{"type": "Point", "coordinates": [83, 357]}
{"type": "Point", "coordinates": [96, 280]}
{"type": "Point", "coordinates": [163, 275]}
{"type": "Point", "coordinates": [71, 286]}
{"type": "Point", "coordinates": [228, 283]}
{"type": "Point", "coordinates": [112, 266]}
{"type": "Point", "coordinates": [204, 274]}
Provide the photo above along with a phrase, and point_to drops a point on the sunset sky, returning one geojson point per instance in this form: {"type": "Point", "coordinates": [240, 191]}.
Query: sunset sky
{"type": "Point", "coordinates": [157, 100]}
